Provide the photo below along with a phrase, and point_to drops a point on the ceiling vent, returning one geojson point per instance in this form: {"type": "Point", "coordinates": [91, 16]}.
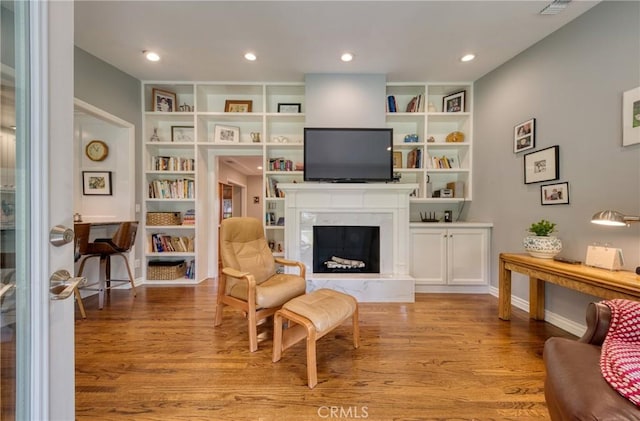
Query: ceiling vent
{"type": "Point", "coordinates": [555, 7]}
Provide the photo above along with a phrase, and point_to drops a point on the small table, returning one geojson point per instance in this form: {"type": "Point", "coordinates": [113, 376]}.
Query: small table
{"type": "Point", "coordinates": [601, 283]}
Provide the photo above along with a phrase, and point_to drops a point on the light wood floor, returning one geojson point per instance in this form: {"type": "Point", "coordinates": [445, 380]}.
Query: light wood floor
{"type": "Point", "coordinates": [446, 357]}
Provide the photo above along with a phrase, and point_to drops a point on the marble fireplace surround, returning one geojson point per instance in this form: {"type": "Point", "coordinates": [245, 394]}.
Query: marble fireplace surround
{"type": "Point", "coordinates": [368, 204]}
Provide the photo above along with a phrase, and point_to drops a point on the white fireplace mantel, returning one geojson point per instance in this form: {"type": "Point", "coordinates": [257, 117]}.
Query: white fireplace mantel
{"type": "Point", "coordinates": [372, 204]}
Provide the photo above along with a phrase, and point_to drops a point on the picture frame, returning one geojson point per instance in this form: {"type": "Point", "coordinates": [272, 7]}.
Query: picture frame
{"type": "Point", "coordinates": [454, 103]}
{"type": "Point", "coordinates": [226, 134]}
{"type": "Point", "coordinates": [96, 183]}
{"type": "Point", "coordinates": [164, 101]}
{"type": "Point", "coordinates": [238, 106]}
{"type": "Point", "coordinates": [397, 160]}
{"type": "Point", "coordinates": [182, 134]}
{"type": "Point", "coordinates": [542, 165]}
{"type": "Point", "coordinates": [631, 117]}
{"type": "Point", "coordinates": [289, 107]}
{"type": "Point", "coordinates": [524, 136]}
{"type": "Point", "coordinates": [554, 194]}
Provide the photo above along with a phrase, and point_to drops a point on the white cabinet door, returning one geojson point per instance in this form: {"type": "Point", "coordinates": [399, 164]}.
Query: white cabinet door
{"type": "Point", "coordinates": [429, 256]}
{"type": "Point", "coordinates": [467, 252]}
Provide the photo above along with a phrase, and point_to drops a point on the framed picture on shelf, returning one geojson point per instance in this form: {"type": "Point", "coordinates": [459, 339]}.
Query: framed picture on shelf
{"type": "Point", "coordinates": [631, 117]}
{"type": "Point", "coordinates": [542, 165]}
{"type": "Point", "coordinates": [289, 107]}
{"type": "Point", "coordinates": [226, 134]}
{"type": "Point", "coordinates": [524, 136]}
{"type": "Point", "coordinates": [96, 183]}
{"type": "Point", "coordinates": [397, 160]}
{"type": "Point", "coordinates": [238, 106]}
{"type": "Point", "coordinates": [182, 134]}
{"type": "Point", "coordinates": [554, 194]}
{"type": "Point", "coordinates": [162, 100]}
{"type": "Point", "coordinates": [454, 103]}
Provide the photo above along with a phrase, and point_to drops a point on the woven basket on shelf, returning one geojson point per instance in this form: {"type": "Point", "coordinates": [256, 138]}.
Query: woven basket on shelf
{"type": "Point", "coordinates": [164, 218]}
{"type": "Point", "coordinates": [166, 270]}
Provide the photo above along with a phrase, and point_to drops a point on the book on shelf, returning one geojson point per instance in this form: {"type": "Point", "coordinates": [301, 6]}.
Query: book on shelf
{"type": "Point", "coordinates": [414, 158]}
{"type": "Point", "coordinates": [392, 105]}
{"type": "Point", "coordinates": [280, 164]}
{"type": "Point", "coordinates": [272, 189]}
{"type": "Point", "coordinates": [416, 104]}
{"type": "Point", "coordinates": [445, 162]}
{"type": "Point", "coordinates": [163, 243]}
{"type": "Point", "coordinates": [191, 270]}
{"type": "Point", "coordinates": [189, 217]}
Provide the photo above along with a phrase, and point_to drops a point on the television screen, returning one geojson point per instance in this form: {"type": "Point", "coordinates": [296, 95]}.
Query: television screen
{"type": "Point", "coordinates": [348, 155]}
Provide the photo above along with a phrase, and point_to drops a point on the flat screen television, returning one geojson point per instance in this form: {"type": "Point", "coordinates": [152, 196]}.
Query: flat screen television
{"type": "Point", "coordinates": [348, 155]}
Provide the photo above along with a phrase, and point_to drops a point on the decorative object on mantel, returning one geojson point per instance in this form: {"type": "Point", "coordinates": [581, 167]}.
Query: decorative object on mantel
{"type": "Point", "coordinates": [631, 117]}
{"type": "Point", "coordinates": [542, 244]}
{"type": "Point", "coordinates": [154, 136]}
{"type": "Point", "coordinates": [524, 136]}
{"type": "Point", "coordinates": [455, 137]}
{"type": "Point", "coordinates": [255, 137]}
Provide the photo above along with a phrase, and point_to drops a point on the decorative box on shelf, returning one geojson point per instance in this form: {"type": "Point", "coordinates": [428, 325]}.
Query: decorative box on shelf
{"type": "Point", "coordinates": [164, 218]}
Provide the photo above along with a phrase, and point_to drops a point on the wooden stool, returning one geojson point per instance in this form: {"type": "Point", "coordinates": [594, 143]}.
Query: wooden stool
{"type": "Point", "coordinates": [314, 314]}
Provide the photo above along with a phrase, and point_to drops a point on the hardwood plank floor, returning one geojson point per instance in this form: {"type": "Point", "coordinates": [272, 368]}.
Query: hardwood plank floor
{"type": "Point", "coordinates": [445, 357]}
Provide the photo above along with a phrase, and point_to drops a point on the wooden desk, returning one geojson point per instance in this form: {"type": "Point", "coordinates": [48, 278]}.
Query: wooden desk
{"type": "Point", "coordinates": [589, 280]}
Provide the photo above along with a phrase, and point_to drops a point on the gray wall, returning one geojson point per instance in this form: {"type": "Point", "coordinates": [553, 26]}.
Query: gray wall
{"type": "Point", "coordinates": [572, 83]}
{"type": "Point", "coordinates": [104, 86]}
{"type": "Point", "coordinates": [345, 100]}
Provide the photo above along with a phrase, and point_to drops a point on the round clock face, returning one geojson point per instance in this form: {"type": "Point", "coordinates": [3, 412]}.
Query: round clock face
{"type": "Point", "coordinates": [97, 150]}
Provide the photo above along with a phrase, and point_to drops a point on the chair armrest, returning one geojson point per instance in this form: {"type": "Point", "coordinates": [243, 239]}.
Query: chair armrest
{"type": "Point", "coordinates": [287, 262]}
{"type": "Point", "coordinates": [598, 321]}
{"type": "Point", "coordinates": [234, 273]}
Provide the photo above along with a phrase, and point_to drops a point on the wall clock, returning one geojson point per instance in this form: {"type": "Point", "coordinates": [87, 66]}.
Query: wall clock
{"type": "Point", "coordinates": [96, 150]}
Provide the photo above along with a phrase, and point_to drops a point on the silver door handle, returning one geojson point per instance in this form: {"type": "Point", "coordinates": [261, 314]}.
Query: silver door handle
{"type": "Point", "coordinates": [62, 285]}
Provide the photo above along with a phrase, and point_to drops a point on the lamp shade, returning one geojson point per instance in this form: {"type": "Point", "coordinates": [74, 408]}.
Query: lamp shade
{"type": "Point", "coordinates": [612, 218]}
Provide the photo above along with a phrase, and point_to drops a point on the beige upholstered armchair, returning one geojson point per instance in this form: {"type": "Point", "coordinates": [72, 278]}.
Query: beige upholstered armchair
{"type": "Point", "coordinates": [249, 281]}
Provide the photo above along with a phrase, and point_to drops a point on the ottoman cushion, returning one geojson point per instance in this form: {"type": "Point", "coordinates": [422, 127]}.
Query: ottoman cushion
{"type": "Point", "coordinates": [325, 308]}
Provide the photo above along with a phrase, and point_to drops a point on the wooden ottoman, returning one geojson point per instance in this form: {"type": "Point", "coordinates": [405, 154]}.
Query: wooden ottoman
{"type": "Point", "coordinates": [313, 316]}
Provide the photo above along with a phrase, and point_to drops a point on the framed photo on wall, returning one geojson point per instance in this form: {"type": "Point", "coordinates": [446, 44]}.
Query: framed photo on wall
{"type": "Point", "coordinates": [631, 117]}
{"type": "Point", "coordinates": [554, 194]}
{"type": "Point", "coordinates": [96, 183]}
{"type": "Point", "coordinates": [542, 165]}
{"type": "Point", "coordinates": [524, 136]}
{"type": "Point", "coordinates": [454, 103]}
{"type": "Point", "coordinates": [164, 101]}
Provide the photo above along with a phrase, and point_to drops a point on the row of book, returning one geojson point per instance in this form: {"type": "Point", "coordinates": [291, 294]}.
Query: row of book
{"type": "Point", "coordinates": [280, 164]}
{"type": "Point", "coordinates": [445, 162]}
{"type": "Point", "coordinates": [189, 217]}
{"type": "Point", "coordinates": [183, 188]}
{"type": "Point", "coordinates": [163, 243]}
{"type": "Point", "coordinates": [416, 105]}
{"type": "Point", "coordinates": [272, 189]}
{"type": "Point", "coordinates": [172, 163]}
{"type": "Point", "coordinates": [191, 270]}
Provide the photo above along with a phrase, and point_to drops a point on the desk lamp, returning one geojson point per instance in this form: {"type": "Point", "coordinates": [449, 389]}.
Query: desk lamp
{"type": "Point", "coordinates": [614, 219]}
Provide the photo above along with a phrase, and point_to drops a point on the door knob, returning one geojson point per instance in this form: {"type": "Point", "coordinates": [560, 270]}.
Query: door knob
{"type": "Point", "coordinates": [60, 235]}
{"type": "Point", "coordinates": [62, 285]}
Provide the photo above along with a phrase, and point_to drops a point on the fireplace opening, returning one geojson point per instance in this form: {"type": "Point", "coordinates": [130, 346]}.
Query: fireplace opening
{"type": "Point", "coordinates": [346, 249]}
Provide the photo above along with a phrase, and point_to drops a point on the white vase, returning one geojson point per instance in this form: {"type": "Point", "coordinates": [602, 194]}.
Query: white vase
{"type": "Point", "coordinates": [545, 247]}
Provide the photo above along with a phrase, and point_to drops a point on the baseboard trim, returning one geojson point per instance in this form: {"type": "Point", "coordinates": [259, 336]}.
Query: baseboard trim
{"type": "Point", "coordinates": [550, 317]}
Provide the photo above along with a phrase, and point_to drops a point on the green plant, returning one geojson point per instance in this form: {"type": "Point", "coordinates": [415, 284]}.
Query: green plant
{"type": "Point", "coordinates": [542, 228]}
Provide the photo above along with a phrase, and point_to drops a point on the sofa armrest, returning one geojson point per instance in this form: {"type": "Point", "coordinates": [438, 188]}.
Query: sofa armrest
{"type": "Point", "coordinates": [598, 321]}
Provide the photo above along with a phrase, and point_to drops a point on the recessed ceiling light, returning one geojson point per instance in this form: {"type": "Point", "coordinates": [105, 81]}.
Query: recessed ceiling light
{"type": "Point", "coordinates": [346, 57]}
{"type": "Point", "coordinates": [151, 56]}
{"type": "Point", "coordinates": [259, 167]}
{"type": "Point", "coordinates": [468, 57]}
{"type": "Point", "coordinates": [250, 56]}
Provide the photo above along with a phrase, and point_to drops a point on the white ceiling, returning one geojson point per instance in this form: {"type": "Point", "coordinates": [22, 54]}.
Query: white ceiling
{"type": "Point", "coordinates": [406, 40]}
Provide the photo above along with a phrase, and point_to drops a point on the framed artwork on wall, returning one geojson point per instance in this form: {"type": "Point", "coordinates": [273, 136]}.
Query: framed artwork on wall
{"type": "Point", "coordinates": [554, 194]}
{"type": "Point", "coordinates": [524, 136]}
{"type": "Point", "coordinates": [96, 183]}
{"type": "Point", "coordinates": [542, 165]}
{"type": "Point", "coordinates": [631, 117]}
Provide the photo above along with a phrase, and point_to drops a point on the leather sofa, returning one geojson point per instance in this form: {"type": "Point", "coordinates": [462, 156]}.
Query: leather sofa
{"type": "Point", "coordinates": [574, 386]}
